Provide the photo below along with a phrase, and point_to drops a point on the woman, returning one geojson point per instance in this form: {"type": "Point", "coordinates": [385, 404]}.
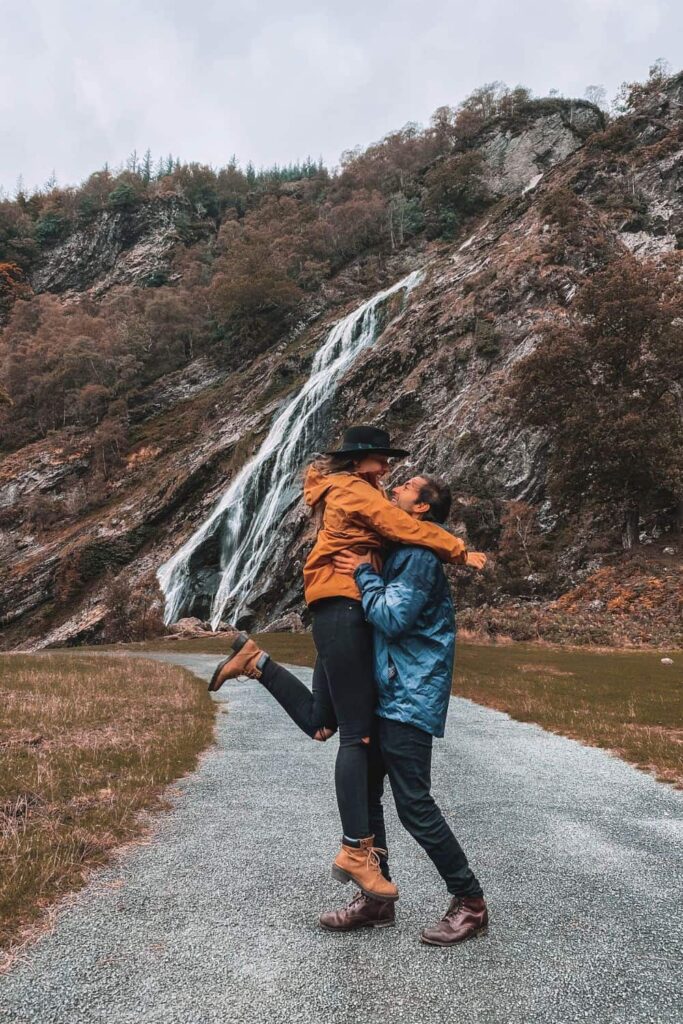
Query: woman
{"type": "Point", "coordinates": [343, 490]}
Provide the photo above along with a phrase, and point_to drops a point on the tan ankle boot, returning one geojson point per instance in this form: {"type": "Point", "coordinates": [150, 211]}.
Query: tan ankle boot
{"type": "Point", "coordinates": [360, 864]}
{"type": "Point", "coordinates": [246, 660]}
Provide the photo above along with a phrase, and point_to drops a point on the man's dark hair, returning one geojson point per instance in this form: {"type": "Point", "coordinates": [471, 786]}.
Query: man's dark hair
{"type": "Point", "coordinates": [437, 494]}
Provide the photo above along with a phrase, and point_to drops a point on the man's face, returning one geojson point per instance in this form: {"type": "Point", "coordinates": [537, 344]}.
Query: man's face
{"type": "Point", "coordinates": [406, 496]}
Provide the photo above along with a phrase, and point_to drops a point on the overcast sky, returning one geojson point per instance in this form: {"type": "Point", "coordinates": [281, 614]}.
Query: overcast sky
{"type": "Point", "coordinates": [84, 83]}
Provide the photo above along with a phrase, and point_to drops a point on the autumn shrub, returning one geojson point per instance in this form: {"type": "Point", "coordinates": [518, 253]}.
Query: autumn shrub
{"type": "Point", "coordinates": [74, 366]}
{"type": "Point", "coordinates": [134, 612]}
{"type": "Point", "coordinates": [481, 517]}
{"type": "Point", "coordinates": [560, 206]}
{"type": "Point", "coordinates": [455, 190]}
{"type": "Point", "coordinates": [110, 444]}
{"type": "Point", "coordinates": [12, 286]}
{"type": "Point", "coordinates": [633, 95]}
{"type": "Point", "coordinates": [392, 164]}
{"type": "Point", "coordinates": [486, 341]}
{"type": "Point", "coordinates": [355, 225]}
{"type": "Point", "coordinates": [42, 511]}
{"type": "Point", "coordinates": [251, 298]}
{"type": "Point", "coordinates": [524, 550]}
{"type": "Point", "coordinates": [88, 561]}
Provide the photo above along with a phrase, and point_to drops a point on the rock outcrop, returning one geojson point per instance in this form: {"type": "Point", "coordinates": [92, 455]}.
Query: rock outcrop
{"type": "Point", "coordinates": [117, 247]}
{"type": "Point", "coordinates": [517, 155]}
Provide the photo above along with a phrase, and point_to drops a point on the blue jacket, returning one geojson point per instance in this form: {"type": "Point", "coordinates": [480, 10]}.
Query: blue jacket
{"type": "Point", "coordinates": [411, 610]}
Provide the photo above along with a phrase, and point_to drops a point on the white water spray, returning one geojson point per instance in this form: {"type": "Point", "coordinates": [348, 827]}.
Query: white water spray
{"type": "Point", "coordinates": [251, 510]}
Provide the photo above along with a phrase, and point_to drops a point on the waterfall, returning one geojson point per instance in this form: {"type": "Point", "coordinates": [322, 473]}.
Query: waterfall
{"type": "Point", "coordinates": [246, 518]}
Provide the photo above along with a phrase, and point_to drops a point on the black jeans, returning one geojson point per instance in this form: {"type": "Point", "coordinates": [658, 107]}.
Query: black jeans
{"type": "Point", "coordinates": [309, 710]}
{"type": "Point", "coordinates": [343, 697]}
{"type": "Point", "coordinates": [406, 757]}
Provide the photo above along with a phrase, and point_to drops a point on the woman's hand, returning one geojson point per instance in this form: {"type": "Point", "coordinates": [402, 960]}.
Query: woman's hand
{"type": "Point", "coordinates": [476, 559]}
{"type": "Point", "coordinates": [347, 561]}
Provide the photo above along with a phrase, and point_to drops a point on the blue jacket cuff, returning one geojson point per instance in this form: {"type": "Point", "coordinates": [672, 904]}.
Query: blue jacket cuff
{"type": "Point", "coordinates": [361, 571]}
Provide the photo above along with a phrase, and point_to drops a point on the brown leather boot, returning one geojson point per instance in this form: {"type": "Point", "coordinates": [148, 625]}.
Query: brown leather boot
{"type": "Point", "coordinates": [464, 919]}
{"type": "Point", "coordinates": [246, 660]}
{"type": "Point", "coordinates": [360, 864]}
{"type": "Point", "coordinates": [361, 912]}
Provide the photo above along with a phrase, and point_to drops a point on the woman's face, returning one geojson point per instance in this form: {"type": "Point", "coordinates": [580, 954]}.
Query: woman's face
{"type": "Point", "coordinates": [374, 465]}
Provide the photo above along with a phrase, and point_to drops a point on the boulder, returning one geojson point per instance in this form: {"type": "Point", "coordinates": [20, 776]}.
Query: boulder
{"type": "Point", "coordinates": [290, 623]}
{"type": "Point", "coordinates": [190, 625]}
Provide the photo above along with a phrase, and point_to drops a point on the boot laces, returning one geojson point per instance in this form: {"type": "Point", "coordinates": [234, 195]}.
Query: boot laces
{"type": "Point", "coordinates": [374, 857]}
{"type": "Point", "coordinates": [454, 908]}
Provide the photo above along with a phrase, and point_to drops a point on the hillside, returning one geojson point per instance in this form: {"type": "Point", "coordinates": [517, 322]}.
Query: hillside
{"type": "Point", "coordinates": [191, 319]}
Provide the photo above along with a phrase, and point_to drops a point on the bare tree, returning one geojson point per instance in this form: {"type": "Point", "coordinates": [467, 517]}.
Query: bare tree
{"type": "Point", "coordinates": [597, 94]}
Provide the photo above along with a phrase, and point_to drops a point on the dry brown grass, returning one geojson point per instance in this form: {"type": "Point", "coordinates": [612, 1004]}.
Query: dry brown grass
{"type": "Point", "coordinates": [86, 742]}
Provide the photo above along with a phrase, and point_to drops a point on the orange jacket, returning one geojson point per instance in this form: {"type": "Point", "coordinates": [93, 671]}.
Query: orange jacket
{"type": "Point", "coordinates": [359, 516]}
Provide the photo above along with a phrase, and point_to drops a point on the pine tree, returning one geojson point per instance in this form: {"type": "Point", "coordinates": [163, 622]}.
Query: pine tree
{"type": "Point", "coordinates": [146, 167]}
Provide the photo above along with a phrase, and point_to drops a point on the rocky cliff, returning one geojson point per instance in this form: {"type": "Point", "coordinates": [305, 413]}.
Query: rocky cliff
{"type": "Point", "coordinates": [128, 246]}
{"type": "Point", "coordinates": [435, 377]}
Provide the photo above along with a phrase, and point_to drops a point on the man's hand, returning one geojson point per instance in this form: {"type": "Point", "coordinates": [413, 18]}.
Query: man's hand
{"type": "Point", "coordinates": [348, 561]}
{"type": "Point", "coordinates": [476, 560]}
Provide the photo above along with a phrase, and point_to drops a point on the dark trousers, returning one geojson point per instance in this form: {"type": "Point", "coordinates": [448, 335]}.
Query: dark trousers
{"type": "Point", "coordinates": [343, 697]}
{"type": "Point", "coordinates": [405, 755]}
{"type": "Point", "coordinates": [309, 710]}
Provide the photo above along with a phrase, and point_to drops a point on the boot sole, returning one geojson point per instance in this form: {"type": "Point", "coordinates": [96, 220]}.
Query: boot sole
{"type": "Point", "coordinates": [237, 645]}
{"type": "Point", "coordinates": [357, 927]}
{"type": "Point", "coordinates": [340, 875]}
{"type": "Point", "coordinates": [478, 934]}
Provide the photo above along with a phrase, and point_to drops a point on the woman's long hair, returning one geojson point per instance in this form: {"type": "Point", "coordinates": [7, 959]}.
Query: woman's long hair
{"type": "Point", "coordinates": [327, 464]}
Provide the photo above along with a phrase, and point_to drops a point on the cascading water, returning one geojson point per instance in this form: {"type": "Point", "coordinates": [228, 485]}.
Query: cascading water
{"type": "Point", "coordinates": [245, 519]}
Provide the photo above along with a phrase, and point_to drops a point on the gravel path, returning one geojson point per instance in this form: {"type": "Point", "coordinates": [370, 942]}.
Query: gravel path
{"type": "Point", "coordinates": [215, 919]}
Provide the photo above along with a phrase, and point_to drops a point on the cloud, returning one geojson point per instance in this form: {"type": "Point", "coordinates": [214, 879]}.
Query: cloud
{"type": "Point", "coordinates": [84, 84]}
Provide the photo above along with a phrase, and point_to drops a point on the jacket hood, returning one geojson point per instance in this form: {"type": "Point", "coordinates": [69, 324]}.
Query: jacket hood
{"type": "Point", "coordinates": [316, 485]}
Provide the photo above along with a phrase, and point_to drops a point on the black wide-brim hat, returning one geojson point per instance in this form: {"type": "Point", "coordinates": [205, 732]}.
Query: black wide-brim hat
{"type": "Point", "coordinates": [367, 441]}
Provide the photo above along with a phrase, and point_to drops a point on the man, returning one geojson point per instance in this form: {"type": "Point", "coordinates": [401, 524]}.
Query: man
{"type": "Point", "coordinates": [410, 607]}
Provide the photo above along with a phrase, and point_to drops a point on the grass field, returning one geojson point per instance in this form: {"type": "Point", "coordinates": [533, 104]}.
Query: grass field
{"type": "Point", "coordinates": [86, 742]}
{"type": "Point", "coordinates": [628, 703]}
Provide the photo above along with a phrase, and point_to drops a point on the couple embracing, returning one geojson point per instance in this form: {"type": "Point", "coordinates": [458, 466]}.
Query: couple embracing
{"type": "Point", "coordinates": [384, 632]}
